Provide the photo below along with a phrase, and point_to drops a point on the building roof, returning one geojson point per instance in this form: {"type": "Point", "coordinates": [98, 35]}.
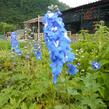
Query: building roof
{"type": "Point", "coordinates": [100, 2]}
{"type": "Point", "coordinates": [34, 20]}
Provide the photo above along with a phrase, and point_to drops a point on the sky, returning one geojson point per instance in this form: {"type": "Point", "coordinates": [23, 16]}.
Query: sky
{"type": "Point", "coordinates": [75, 3]}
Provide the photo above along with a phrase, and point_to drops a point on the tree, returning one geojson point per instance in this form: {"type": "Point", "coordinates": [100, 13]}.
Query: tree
{"type": "Point", "coordinates": [17, 11]}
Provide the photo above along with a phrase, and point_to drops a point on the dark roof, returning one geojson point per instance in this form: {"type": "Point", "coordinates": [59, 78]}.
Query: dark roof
{"type": "Point", "coordinates": [87, 5]}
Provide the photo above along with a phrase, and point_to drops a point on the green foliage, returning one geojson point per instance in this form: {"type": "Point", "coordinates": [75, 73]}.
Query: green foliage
{"type": "Point", "coordinates": [94, 47]}
{"type": "Point", "coordinates": [4, 27]}
{"type": "Point", "coordinates": [27, 84]}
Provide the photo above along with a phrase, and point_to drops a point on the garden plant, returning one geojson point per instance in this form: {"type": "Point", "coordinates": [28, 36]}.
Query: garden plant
{"type": "Point", "coordinates": [26, 83]}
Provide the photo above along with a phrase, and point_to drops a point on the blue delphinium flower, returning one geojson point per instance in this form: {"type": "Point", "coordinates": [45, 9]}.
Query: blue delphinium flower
{"type": "Point", "coordinates": [37, 51]}
{"type": "Point", "coordinates": [96, 65]}
{"type": "Point", "coordinates": [38, 54]}
{"type": "Point", "coordinates": [72, 69]}
{"type": "Point", "coordinates": [55, 79]}
{"type": "Point", "coordinates": [15, 44]}
{"type": "Point", "coordinates": [57, 42]}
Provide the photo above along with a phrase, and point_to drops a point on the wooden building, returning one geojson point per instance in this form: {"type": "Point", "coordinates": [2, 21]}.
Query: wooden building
{"type": "Point", "coordinates": [84, 17]}
{"type": "Point", "coordinates": [34, 24]}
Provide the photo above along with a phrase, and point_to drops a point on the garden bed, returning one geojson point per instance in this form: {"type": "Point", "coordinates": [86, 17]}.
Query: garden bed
{"type": "Point", "coordinates": [27, 83]}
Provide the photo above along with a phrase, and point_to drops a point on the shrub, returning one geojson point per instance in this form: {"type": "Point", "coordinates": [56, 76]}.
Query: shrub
{"type": "Point", "coordinates": [5, 27]}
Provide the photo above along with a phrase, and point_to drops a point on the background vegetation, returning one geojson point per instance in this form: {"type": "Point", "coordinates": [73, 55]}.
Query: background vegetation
{"type": "Point", "coordinates": [26, 83]}
{"type": "Point", "coordinates": [17, 11]}
{"type": "Point", "coordinates": [5, 27]}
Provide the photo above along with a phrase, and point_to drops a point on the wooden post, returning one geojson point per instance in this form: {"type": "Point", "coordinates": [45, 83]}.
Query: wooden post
{"type": "Point", "coordinates": [38, 32]}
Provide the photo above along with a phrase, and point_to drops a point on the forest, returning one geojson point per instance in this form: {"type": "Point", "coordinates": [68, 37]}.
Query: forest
{"type": "Point", "coordinates": [17, 11]}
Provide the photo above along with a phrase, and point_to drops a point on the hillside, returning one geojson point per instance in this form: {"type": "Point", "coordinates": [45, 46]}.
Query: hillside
{"type": "Point", "coordinates": [17, 11]}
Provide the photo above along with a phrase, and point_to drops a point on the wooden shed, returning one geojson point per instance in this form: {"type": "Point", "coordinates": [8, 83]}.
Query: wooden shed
{"type": "Point", "coordinates": [34, 24]}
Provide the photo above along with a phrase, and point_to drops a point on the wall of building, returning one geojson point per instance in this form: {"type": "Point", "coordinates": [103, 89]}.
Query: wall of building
{"type": "Point", "coordinates": [84, 17]}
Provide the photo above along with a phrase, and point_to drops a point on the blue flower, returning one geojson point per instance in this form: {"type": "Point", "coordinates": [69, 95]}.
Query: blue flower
{"type": "Point", "coordinates": [56, 70]}
{"type": "Point", "coordinates": [37, 50]}
{"type": "Point", "coordinates": [38, 54]}
{"type": "Point", "coordinates": [15, 44]}
{"type": "Point", "coordinates": [58, 43]}
{"type": "Point", "coordinates": [35, 46]}
{"type": "Point", "coordinates": [55, 79]}
{"type": "Point", "coordinates": [17, 50]}
{"type": "Point", "coordinates": [72, 69]}
{"type": "Point", "coordinates": [96, 65]}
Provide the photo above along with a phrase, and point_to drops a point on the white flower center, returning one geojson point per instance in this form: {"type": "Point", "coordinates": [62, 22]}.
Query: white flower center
{"type": "Point", "coordinates": [45, 25]}
{"type": "Point", "coordinates": [54, 28]}
{"type": "Point", "coordinates": [56, 43]}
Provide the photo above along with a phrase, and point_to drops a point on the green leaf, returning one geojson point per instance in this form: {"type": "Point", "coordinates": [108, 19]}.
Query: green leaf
{"type": "Point", "coordinates": [24, 106]}
{"type": "Point", "coordinates": [32, 106]}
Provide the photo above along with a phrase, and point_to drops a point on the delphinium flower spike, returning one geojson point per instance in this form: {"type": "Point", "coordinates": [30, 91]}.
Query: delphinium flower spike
{"type": "Point", "coordinates": [37, 50]}
{"type": "Point", "coordinates": [72, 69]}
{"type": "Point", "coordinates": [57, 42]}
{"type": "Point", "coordinates": [15, 44]}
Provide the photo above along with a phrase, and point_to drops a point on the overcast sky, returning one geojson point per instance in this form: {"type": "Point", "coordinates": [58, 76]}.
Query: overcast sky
{"type": "Point", "coordinates": [75, 3]}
